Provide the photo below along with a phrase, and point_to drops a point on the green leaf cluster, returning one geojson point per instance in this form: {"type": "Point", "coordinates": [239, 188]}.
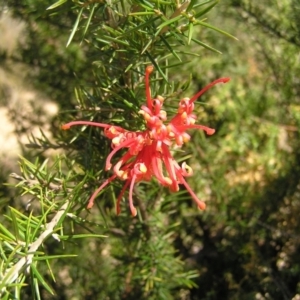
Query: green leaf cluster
{"type": "Point", "coordinates": [245, 245]}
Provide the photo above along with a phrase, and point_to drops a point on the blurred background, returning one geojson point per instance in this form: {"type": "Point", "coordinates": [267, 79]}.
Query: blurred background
{"type": "Point", "coordinates": [246, 244]}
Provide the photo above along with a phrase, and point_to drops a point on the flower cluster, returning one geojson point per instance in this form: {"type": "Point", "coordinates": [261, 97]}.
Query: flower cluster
{"type": "Point", "coordinates": [148, 152]}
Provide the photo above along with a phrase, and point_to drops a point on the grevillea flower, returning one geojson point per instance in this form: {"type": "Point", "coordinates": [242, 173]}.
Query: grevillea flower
{"type": "Point", "coordinates": [148, 152]}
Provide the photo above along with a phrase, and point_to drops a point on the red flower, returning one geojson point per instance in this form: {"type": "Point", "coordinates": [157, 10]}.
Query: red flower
{"type": "Point", "coordinates": [148, 152]}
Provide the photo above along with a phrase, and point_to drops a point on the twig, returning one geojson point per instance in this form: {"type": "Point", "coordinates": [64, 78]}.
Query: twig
{"type": "Point", "coordinates": [25, 261]}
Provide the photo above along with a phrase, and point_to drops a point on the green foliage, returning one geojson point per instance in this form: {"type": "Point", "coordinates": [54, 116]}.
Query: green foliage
{"type": "Point", "coordinates": [245, 245]}
{"type": "Point", "coordinates": [26, 245]}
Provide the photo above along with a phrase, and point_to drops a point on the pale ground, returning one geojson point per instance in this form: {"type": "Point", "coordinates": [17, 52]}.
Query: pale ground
{"type": "Point", "coordinates": [18, 100]}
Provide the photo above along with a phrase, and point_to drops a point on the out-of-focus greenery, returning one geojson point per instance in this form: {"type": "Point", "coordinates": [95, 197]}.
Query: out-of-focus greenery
{"type": "Point", "coordinates": [246, 244]}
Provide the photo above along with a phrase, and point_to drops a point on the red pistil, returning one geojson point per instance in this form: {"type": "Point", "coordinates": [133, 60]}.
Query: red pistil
{"type": "Point", "coordinates": [126, 143]}
{"type": "Point", "coordinates": [103, 185]}
{"type": "Point", "coordinates": [200, 93]}
{"type": "Point", "coordinates": [68, 125]}
{"type": "Point", "coordinates": [148, 152]}
{"type": "Point", "coordinates": [149, 70]}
